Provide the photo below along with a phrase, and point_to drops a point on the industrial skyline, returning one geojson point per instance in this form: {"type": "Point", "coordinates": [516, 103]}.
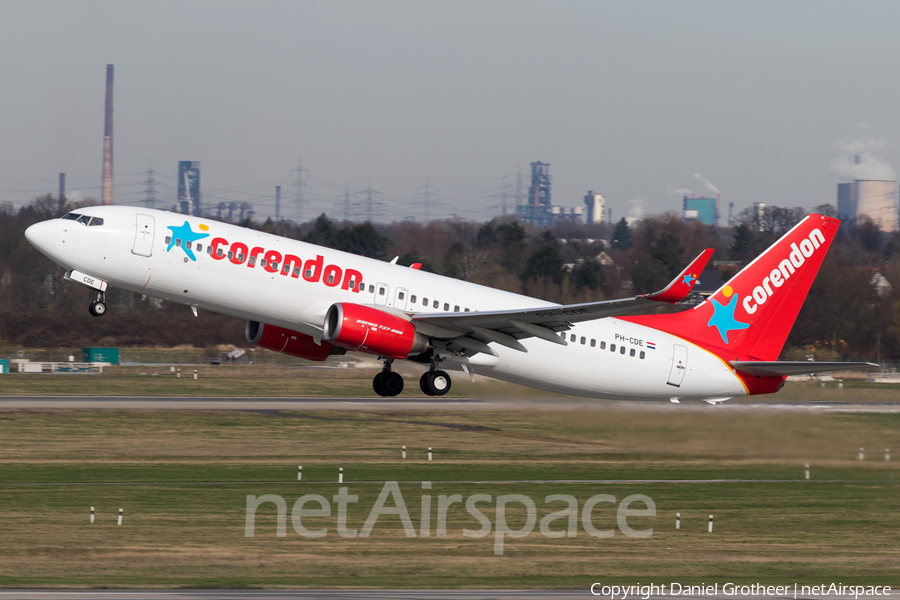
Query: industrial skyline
{"type": "Point", "coordinates": [397, 105]}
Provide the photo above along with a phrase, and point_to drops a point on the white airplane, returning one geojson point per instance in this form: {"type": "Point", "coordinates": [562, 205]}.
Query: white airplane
{"type": "Point", "coordinates": [308, 301]}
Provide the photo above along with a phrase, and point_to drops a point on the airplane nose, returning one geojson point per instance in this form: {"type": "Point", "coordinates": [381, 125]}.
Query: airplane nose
{"type": "Point", "coordinates": [42, 235]}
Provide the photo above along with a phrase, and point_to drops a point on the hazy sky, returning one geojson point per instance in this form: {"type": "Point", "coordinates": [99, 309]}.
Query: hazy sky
{"type": "Point", "coordinates": [766, 100]}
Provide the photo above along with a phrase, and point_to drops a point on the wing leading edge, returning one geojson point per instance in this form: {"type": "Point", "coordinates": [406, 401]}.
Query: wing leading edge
{"type": "Point", "coordinates": [472, 331]}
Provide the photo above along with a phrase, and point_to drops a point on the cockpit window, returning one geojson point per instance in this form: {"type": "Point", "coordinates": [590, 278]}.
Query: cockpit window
{"type": "Point", "coordinates": [71, 216]}
{"type": "Point", "coordinates": [95, 222]}
{"type": "Point", "coordinates": [84, 219]}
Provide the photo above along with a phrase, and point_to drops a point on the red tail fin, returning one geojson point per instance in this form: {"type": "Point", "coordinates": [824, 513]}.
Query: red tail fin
{"type": "Point", "coordinates": [752, 315]}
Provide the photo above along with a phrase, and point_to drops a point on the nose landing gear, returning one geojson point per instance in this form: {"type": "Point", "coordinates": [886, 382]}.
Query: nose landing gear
{"type": "Point", "coordinates": [97, 308]}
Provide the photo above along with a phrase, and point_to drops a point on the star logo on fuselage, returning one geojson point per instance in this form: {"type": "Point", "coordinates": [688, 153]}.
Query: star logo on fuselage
{"type": "Point", "coordinates": [689, 279]}
{"type": "Point", "coordinates": [185, 234]}
{"type": "Point", "coordinates": [723, 315]}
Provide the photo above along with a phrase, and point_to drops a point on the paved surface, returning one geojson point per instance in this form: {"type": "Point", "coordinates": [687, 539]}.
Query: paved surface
{"type": "Point", "coordinates": [412, 404]}
{"type": "Point", "coordinates": [381, 595]}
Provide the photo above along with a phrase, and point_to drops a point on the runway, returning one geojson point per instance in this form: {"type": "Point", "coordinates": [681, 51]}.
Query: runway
{"type": "Point", "coordinates": [378, 595]}
{"type": "Point", "coordinates": [415, 404]}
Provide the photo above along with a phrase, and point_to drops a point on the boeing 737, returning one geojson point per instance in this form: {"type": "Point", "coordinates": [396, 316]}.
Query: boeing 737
{"type": "Point", "coordinates": [312, 302]}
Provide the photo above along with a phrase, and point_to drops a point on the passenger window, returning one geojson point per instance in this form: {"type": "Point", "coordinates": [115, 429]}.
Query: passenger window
{"type": "Point", "coordinates": [230, 253]}
{"type": "Point", "coordinates": [262, 263]}
{"type": "Point", "coordinates": [95, 222]}
{"type": "Point", "coordinates": [446, 306]}
{"type": "Point", "coordinates": [401, 295]}
{"type": "Point", "coordinates": [241, 257]}
{"type": "Point", "coordinates": [168, 239]}
{"type": "Point", "coordinates": [583, 340]}
{"type": "Point", "coordinates": [371, 289]}
{"type": "Point", "coordinates": [178, 243]}
{"type": "Point", "coordinates": [209, 250]}
{"type": "Point", "coordinates": [572, 338]}
{"type": "Point", "coordinates": [188, 245]}
{"type": "Point", "coordinates": [252, 261]}
{"type": "Point", "coordinates": [331, 277]}
{"type": "Point", "coordinates": [593, 343]}
{"type": "Point", "coordinates": [381, 291]}
{"type": "Point", "coordinates": [622, 350]}
{"type": "Point", "coordinates": [603, 345]}
{"type": "Point", "coordinates": [632, 352]}
{"type": "Point", "coordinates": [424, 301]}
{"type": "Point", "coordinates": [467, 310]}
{"type": "Point", "coordinates": [297, 273]}
{"type": "Point", "coordinates": [456, 309]}
{"type": "Point", "coordinates": [412, 298]}
{"type": "Point", "coordinates": [642, 354]}
{"type": "Point", "coordinates": [220, 253]}
{"type": "Point", "coordinates": [612, 347]}
{"type": "Point", "coordinates": [199, 247]}
{"type": "Point", "coordinates": [435, 304]}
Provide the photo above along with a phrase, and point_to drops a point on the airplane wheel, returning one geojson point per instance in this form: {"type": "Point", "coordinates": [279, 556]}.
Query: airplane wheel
{"type": "Point", "coordinates": [378, 385]}
{"type": "Point", "coordinates": [97, 308]}
{"type": "Point", "coordinates": [435, 383]}
{"type": "Point", "coordinates": [392, 383]}
{"type": "Point", "coordinates": [423, 384]}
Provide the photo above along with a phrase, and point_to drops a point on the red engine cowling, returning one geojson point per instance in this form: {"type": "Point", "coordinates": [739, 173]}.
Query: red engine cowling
{"type": "Point", "coordinates": [286, 341]}
{"type": "Point", "coordinates": [365, 329]}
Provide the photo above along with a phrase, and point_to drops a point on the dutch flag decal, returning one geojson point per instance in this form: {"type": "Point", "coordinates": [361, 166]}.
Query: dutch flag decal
{"type": "Point", "coordinates": [651, 346]}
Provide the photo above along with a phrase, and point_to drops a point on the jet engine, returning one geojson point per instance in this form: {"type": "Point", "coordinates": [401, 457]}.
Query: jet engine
{"type": "Point", "coordinates": [366, 329]}
{"type": "Point", "coordinates": [286, 341]}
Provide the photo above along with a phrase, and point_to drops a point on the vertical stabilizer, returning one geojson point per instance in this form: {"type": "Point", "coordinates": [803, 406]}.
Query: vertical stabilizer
{"type": "Point", "coordinates": [751, 316]}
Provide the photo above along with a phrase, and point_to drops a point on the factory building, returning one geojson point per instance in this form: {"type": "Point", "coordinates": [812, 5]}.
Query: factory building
{"type": "Point", "coordinates": [705, 210]}
{"type": "Point", "coordinates": [539, 208]}
{"type": "Point", "coordinates": [873, 198]}
{"type": "Point", "coordinates": [596, 205]}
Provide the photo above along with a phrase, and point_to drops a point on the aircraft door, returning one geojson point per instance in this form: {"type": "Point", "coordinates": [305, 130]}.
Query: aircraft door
{"type": "Point", "coordinates": [381, 293]}
{"type": "Point", "coordinates": [679, 366]}
{"type": "Point", "coordinates": [143, 235]}
{"type": "Point", "coordinates": [400, 298]}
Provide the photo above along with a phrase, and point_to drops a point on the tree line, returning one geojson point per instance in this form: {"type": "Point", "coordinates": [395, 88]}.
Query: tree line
{"type": "Point", "coordinates": [853, 309]}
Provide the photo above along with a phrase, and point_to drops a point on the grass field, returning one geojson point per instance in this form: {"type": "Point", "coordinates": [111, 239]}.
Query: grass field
{"type": "Point", "coordinates": [183, 478]}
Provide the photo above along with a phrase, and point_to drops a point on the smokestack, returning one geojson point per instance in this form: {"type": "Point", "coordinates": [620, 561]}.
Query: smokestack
{"type": "Point", "coordinates": [718, 208]}
{"type": "Point", "coordinates": [62, 192]}
{"type": "Point", "coordinates": [106, 195]}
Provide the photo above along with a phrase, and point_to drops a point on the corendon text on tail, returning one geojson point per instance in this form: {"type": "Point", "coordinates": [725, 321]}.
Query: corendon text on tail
{"type": "Point", "coordinates": [313, 302]}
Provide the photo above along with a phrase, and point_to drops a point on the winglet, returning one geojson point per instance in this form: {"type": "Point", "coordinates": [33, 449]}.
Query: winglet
{"type": "Point", "coordinates": [682, 285]}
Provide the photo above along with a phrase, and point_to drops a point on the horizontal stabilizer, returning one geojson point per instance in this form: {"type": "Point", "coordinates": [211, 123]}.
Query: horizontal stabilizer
{"type": "Point", "coordinates": [761, 368]}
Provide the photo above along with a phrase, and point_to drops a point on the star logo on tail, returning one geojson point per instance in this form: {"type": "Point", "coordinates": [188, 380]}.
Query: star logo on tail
{"type": "Point", "coordinates": [723, 316]}
{"type": "Point", "coordinates": [689, 279]}
{"type": "Point", "coordinates": [185, 234]}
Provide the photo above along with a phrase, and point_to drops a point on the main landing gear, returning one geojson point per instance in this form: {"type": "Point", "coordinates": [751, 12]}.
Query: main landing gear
{"type": "Point", "coordinates": [98, 306]}
{"type": "Point", "coordinates": [433, 382]}
{"type": "Point", "coordinates": [388, 383]}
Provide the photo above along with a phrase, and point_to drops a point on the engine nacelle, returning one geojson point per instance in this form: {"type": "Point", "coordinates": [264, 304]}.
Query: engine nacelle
{"type": "Point", "coordinates": [366, 329]}
{"type": "Point", "coordinates": [287, 341]}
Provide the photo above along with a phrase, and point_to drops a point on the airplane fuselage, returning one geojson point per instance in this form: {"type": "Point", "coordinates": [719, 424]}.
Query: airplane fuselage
{"type": "Point", "coordinates": [253, 275]}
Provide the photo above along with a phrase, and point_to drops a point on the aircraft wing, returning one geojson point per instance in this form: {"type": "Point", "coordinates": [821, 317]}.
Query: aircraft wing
{"type": "Point", "coordinates": [760, 368]}
{"type": "Point", "coordinates": [472, 331]}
